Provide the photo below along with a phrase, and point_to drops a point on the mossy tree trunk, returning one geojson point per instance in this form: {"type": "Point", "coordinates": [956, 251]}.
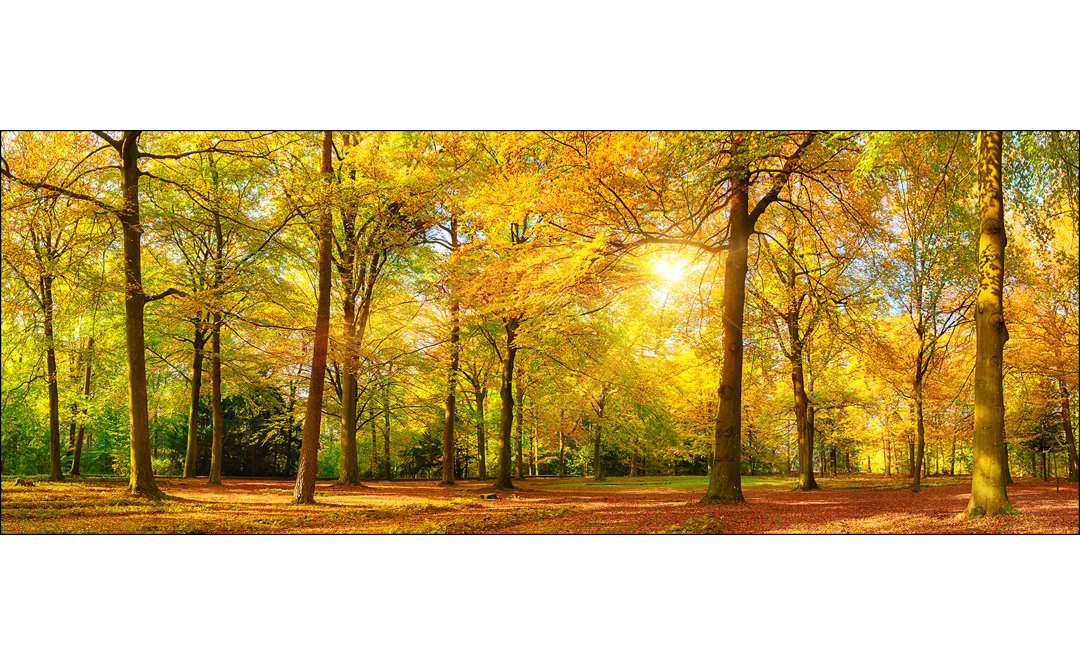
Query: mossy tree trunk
{"type": "Point", "coordinates": [142, 472]}
{"type": "Point", "coordinates": [988, 494]}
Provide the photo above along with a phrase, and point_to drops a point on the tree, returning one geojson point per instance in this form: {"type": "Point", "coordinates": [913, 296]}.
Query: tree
{"type": "Point", "coordinates": [304, 492]}
{"type": "Point", "coordinates": [988, 494]}
{"type": "Point", "coordinates": [126, 210]}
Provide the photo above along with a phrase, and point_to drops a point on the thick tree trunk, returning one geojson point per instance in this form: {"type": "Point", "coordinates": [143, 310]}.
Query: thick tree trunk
{"type": "Point", "coordinates": [349, 465]}
{"type": "Point", "coordinates": [304, 492]}
{"type": "Point", "coordinates": [1070, 440]}
{"type": "Point", "coordinates": [724, 477]}
{"type": "Point", "coordinates": [633, 464]}
{"type": "Point", "coordinates": [77, 457]}
{"type": "Point", "coordinates": [920, 433]}
{"type": "Point", "coordinates": [54, 398]}
{"type": "Point", "coordinates": [191, 458]}
{"type": "Point", "coordinates": [806, 450]}
{"type": "Point", "coordinates": [988, 494]}
{"type": "Point", "coordinates": [142, 471]}
{"type": "Point", "coordinates": [506, 411]}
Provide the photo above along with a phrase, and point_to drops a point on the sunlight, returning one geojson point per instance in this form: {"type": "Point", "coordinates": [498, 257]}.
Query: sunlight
{"type": "Point", "coordinates": [670, 270]}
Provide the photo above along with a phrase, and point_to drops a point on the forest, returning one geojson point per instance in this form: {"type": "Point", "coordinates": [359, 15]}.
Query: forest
{"type": "Point", "coordinates": [539, 331]}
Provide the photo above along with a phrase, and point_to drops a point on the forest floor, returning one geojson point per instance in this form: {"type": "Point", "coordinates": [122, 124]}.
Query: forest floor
{"type": "Point", "coordinates": [848, 503]}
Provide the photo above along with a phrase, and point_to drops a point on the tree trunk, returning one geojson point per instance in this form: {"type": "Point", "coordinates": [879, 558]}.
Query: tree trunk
{"type": "Point", "coordinates": [74, 364]}
{"type": "Point", "coordinates": [374, 445]}
{"type": "Point", "coordinates": [920, 434]}
{"type": "Point", "coordinates": [988, 494]}
{"type": "Point", "coordinates": [806, 449]}
{"type": "Point", "coordinates": [887, 451]}
{"type": "Point", "coordinates": [348, 465]}
{"type": "Point", "coordinates": [532, 452]}
{"type": "Point", "coordinates": [724, 476]}
{"type": "Point", "coordinates": [562, 452]}
{"type": "Point", "coordinates": [142, 471]}
{"type": "Point", "coordinates": [386, 425]}
{"type": "Point", "coordinates": [506, 411]}
{"type": "Point", "coordinates": [191, 458]}
{"type": "Point", "coordinates": [451, 389]}
{"type": "Point", "coordinates": [481, 435]}
{"type": "Point", "coordinates": [217, 442]}
{"type": "Point", "coordinates": [519, 422]}
{"type": "Point", "coordinates": [54, 399]}
{"type": "Point", "coordinates": [75, 460]}
{"type": "Point", "coordinates": [452, 375]}
{"type": "Point", "coordinates": [598, 467]}
{"type": "Point", "coordinates": [304, 492]}
{"type": "Point", "coordinates": [633, 464]}
{"type": "Point", "coordinates": [1070, 440]}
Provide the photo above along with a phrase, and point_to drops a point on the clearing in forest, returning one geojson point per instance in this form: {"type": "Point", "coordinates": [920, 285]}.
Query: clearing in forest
{"type": "Point", "coordinates": [854, 503]}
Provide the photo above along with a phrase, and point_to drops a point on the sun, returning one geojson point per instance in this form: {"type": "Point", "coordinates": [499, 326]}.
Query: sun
{"type": "Point", "coordinates": [670, 270]}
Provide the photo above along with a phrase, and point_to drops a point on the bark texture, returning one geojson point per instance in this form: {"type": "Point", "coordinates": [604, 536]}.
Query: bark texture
{"type": "Point", "coordinates": [988, 494]}
{"type": "Point", "coordinates": [506, 410]}
{"type": "Point", "coordinates": [724, 480]}
{"type": "Point", "coordinates": [142, 472]}
{"type": "Point", "coordinates": [304, 491]}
